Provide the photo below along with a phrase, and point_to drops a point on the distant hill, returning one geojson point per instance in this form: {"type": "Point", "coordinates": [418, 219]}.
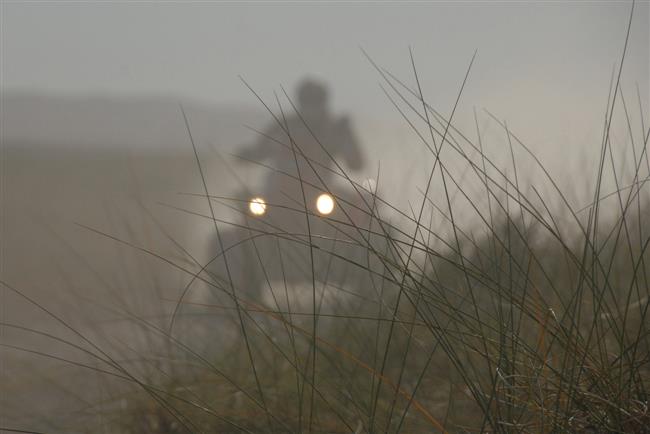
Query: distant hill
{"type": "Point", "coordinates": [96, 122]}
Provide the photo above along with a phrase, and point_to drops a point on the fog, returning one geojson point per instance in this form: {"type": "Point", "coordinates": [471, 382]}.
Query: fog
{"type": "Point", "coordinates": [99, 168]}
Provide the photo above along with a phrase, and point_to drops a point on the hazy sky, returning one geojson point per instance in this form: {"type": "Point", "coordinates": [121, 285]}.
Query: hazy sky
{"type": "Point", "coordinates": [543, 66]}
{"type": "Point", "coordinates": [197, 49]}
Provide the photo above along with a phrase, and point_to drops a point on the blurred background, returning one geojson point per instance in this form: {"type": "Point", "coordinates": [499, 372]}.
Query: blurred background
{"type": "Point", "coordinates": [93, 136]}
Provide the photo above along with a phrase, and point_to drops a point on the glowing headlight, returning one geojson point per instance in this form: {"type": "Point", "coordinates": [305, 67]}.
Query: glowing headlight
{"type": "Point", "coordinates": [257, 206]}
{"type": "Point", "coordinates": [325, 204]}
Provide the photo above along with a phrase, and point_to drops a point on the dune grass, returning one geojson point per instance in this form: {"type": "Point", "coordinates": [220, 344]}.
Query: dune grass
{"type": "Point", "coordinates": [495, 305]}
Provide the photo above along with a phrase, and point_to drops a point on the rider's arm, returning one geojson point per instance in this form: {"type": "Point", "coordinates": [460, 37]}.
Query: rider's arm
{"type": "Point", "coordinates": [262, 149]}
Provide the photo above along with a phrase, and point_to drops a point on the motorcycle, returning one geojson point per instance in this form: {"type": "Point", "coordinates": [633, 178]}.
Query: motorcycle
{"type": "Point", "coordinates": [321, 246]}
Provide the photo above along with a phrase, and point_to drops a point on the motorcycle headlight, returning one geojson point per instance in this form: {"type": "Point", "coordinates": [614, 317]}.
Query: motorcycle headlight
{"type": "Point", "coordinates": [325, 204]}
{"type": "Point", "coordinates": [257, 206]}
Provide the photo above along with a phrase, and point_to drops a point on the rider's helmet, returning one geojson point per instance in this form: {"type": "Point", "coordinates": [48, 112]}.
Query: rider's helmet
{"type": "Point", "coordinates": [312, 95]}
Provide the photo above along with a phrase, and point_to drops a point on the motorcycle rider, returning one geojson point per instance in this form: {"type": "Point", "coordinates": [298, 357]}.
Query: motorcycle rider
{"type": "Point", "coordinates": [315, 135]}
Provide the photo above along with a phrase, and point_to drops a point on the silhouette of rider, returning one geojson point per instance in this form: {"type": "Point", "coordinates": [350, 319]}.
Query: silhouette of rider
{"type": "Point", "coordinates": [293, 181]}
{"type": "Point", "coordinates": [315, 134]}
